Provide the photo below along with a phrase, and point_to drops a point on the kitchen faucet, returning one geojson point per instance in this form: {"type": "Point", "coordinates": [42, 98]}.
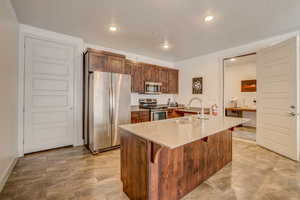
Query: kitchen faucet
{"type": "Point", "coordinates": [201, 103]}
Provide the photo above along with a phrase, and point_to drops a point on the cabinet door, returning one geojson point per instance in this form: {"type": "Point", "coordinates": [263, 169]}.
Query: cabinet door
{"type": "Point", "coordinates": [173, 114]}
{"type": "Point", "coordinates": [128, 65]}
{"type": "Point", "coordinates": [97, 62]}
{"type": "Point", "coordinates": [135, 117]}
{"type": "Point", "coordinates": [163, 78]}
{"type": "Point", "coordinates": [173, 81]}
{"type": "Point", "coordinates": [144, 116]}
{"type": "Point", "coordinates": [155, 74]}
{"type": "Point", "coordinates": [116, 64]}
{"type": "Point", "coordinates": [150, 73]}
{"type": "Point", "coordinates": [137, 83]}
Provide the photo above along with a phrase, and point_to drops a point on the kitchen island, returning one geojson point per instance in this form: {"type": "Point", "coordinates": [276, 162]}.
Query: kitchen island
{"type": "Point", "coordinates": [167, 159]}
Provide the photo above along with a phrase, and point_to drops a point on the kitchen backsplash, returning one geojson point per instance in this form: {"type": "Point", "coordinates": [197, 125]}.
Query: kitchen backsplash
{"type": "Point", "coordinates": [161, 99]}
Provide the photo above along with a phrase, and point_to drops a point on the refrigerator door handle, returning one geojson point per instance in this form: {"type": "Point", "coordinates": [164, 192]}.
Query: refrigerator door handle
{"type": "Point", "coordinates": [111, 106]}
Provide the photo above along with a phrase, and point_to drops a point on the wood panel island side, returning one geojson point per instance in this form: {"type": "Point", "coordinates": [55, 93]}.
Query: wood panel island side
{"type": "Point", "coordinates": [165, 160]}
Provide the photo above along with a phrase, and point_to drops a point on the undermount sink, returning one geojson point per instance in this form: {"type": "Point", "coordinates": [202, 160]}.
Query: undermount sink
{"type": "Point", "coordinates": [191, 119]}
{"type": "Point", "coordinates": [200, 117]}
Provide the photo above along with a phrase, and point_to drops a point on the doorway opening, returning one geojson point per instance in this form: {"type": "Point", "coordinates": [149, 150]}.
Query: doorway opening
{"type": "Point", "coordinates": [240, 93]}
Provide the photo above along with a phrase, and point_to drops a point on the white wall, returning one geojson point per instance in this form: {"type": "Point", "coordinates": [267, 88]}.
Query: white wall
{"type": "Point", "coordinates": [210, 68]}
{"type": "Point", "coordinates": [233, 75]}
{"type": "Point", "coordinates": [8, 88]}
{"type": "Point", "coordinates": [161, 99]}
{"type": "Point", "coordinates": [80, 46]}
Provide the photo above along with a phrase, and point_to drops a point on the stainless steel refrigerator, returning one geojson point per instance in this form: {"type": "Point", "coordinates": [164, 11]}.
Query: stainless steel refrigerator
{"type": "Point", "coordinates": [108, 107]}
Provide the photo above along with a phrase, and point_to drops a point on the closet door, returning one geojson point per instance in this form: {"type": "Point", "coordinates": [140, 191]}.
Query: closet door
{"type": "Point", "coordinates": [48, 113]}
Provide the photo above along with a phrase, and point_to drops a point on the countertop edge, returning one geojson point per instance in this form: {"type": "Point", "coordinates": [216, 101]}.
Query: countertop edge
{"type": "Point", "coordinates": [244, 120]}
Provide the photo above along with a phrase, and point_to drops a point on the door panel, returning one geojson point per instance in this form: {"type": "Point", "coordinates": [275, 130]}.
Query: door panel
{"type": "Point", "coordinates": [173, 81]}
{"type": "Point", "coordinates": [116, 64]}
{"type": "Point", "coordinates": [163, 78]}
{"type": "Point", "coordinates": [99, 111]}
{"type": "Point", "coordinates": [98, 62]}
{"type": "Point", "coordinates": [48, 116]}
{"type": "Point", "coordinates": [150, 73]}
{"type": "Point", "coordinates": [277, 91]}
{"type": "Point", "coordinates": [137, 78]}
{"type": "Point", "coordinates": [121, 86]}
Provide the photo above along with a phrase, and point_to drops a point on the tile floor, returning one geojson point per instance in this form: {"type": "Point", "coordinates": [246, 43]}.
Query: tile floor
{"type": "Point", "coordinates": [246, 133]}
{"type": "Point", "coordinates": [74, 174]}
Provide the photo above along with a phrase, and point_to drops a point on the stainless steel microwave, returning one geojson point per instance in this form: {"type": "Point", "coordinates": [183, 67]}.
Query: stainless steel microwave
{"type": "Point", "coordinates": [152, 88]}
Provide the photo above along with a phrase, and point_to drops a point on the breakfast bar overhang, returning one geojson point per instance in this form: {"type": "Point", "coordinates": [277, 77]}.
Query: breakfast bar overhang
{"type": "Point", "coordinates": [165, 160]}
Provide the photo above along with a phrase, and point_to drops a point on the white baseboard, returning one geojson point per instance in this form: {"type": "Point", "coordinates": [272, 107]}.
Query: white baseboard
{"type": "Point", "coordinates": [7, 173]}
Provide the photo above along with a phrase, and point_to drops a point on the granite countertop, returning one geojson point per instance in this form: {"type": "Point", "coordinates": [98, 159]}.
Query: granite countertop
{"type": "Point", "coordinates": [137, 109]}
{"type": "Point", "coordinates": [250, 109]}
{"type": "Point", "coordinates": [176, 132]}
{"type": "Point", "coordinates": [193, 110]}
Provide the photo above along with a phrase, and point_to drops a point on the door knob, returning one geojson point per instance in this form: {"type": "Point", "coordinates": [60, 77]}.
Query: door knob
{"type": "Point", "coordinates": [292, 114]}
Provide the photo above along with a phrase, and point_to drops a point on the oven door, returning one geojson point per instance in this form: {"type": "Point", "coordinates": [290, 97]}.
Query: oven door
{"type": "Point", "coordinates": [158, 115]}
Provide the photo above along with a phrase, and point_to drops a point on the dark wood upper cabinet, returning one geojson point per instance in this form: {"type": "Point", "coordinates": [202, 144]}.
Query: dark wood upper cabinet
{"type": "Point", "coordinates": [137, 82]}
{"type": "Point", "coordinates": [163, 78]}
{"type": "Point", "coordinates": [116, 64]}
{"type": "Point", "coordinates": [128, 65]}
{"type": "Point", "coordinates": [105, 61]}
{"type": "Point", "coordinates": [97, 62]}
{"type": "Point", "coordinates": [173, 81]}
{"type": "Point", "coordinates": [150, 73]}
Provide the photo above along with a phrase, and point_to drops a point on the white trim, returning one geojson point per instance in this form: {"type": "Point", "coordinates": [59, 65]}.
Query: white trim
{"type": "Point", "coordinates": [298, 95]}
{"type": "Point", "coordinates": [78, 45]}
{"type": "Point", "coordinates": [7, 172]}
{"type": "Point", "coordinates": [243, 50]}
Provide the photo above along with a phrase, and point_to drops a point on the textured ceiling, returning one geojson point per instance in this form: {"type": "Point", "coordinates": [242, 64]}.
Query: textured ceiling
{"type": "Point", "coordinates": [146, 24]}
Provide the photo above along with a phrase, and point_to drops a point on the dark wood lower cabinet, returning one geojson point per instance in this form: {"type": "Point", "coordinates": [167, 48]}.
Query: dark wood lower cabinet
{"type": "Point", "coordinates": [140, 116]}
{"type": "Point", "coordinates": [153, 172]}
{"type": "Point", "coordinates": [172, 113]}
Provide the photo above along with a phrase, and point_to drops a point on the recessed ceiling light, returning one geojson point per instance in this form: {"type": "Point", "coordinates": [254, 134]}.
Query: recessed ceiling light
{"type": "Point", "coordinates": [208, 18]}
{"type": "Point", "coordinates": [232, 59]}
{"type": "Point", "coordinates": [166, 46]}
{"type": "Point", "coordinates": [113, 28]}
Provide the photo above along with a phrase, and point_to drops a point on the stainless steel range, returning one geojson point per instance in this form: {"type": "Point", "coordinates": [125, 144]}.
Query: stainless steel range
{"type": "Point", "coordinates": [157, 112]}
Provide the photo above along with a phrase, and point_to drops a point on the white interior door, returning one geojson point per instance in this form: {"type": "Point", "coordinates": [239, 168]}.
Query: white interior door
{"type": "Point", "coordinates": [48, 113]}
{"type": "Point", "coordinates": [277, 98]}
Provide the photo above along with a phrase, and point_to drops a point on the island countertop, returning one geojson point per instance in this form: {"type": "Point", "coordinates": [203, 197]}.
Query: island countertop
{"type": "Point", "coordinates": [177, 132]}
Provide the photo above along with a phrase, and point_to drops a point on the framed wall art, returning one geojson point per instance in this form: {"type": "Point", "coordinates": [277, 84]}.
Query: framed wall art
{"type": "Point", "coordinates": [197, 85]}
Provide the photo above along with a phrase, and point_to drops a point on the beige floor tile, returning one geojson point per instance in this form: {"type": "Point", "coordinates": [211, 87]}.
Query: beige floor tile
{"type": "Point", "coordinates": [75, 174]}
